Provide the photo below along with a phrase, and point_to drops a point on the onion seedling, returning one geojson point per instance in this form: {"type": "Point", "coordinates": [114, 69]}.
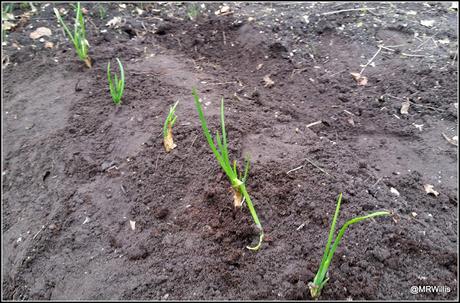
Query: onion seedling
{"type": "Point", "coordinates": [168, 141]}
{"type": "Point", "coordinates": [78, 38]}
{"type": "Point", "coordinates": [237, 180]}
{"type": "Point", "coordinates": [322, 275]}
{"type": "Point", "coordinates": [116, 85]}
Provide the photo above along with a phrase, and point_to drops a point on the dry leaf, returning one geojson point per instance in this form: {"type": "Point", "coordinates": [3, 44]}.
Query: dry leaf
{"type": "Point", "coordinates": [132, 224]}
{"type": "Point", "coordinates": [361, 80]}
{"type": "Point", "coordinates": [7, 25]}
{"type": "Point", "coordinates": [453, 140]}
{"type": "Point", "coordinates": [268, 82]}
{"type": "Point", "coordinates": [405, 107]}
{"type": "Point", "coordinates": [40, 32]}
{"type": "Point", "coordinates": [429, 190]}
{"type": "Point", "coordinates": [49, 44]}
{"type": "Point", "coordinates": [115, 21]}
{"type": "Point", "coordinates": [427, 23]}
{"type": "Point", "coordinates": [223, 11]}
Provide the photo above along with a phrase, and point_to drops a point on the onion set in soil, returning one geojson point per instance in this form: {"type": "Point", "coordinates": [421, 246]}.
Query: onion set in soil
{"type": "Point", "coordinates": [322, 275]}
{"type": "Point", "coordinates": [78, 38]}
{"type": "Point", "coordinates": [237, 180]}
{"type": "Point", "coordinates": [168, 141]}
{"type": "Point", "coordinates": [116, 85]}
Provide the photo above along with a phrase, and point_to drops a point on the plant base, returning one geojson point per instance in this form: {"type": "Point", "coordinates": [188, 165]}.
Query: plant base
{"type": "Point", "coordinates": [88, 62]}
{"type": "Point", "coordinates": [168, 141]}
{"type": "Point", "coordinates": [237, 198]}
{"type": "Point", "coordinates": [315, 290]}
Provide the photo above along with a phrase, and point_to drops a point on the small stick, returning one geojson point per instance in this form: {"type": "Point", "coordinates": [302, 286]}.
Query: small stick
{"type": "Point", "coordinates": [123, 189]}
{"type": "Point", "coordinates": [225, 40]}
{"type": "Point", "coordinates": [350, 113]}
{"type": "Point", "coordinates": [193, 142]}
{"type": "Point", "coordinates": [380, 179]}
{"type": "Point", "coordinates": [314, 123]}
{"type": "Point", "coordinates": [38, 232]}
{"type": "Point", "coordinates": [334, 74]}
{"type": "Point", "coordinates": [311, 162]}
{"type": "Point", "coordinates": [347, 10]}
{"type": "Point", "coordinates": [455, 57]}
{"type": "Point", "coordinates": [156, 162]}
{"type": "Point", "coordinates": [294, 169]}
{"type": "Point", "coordinates": [411, 55]}
{"type": "Point", "coordinates": [372, 59]}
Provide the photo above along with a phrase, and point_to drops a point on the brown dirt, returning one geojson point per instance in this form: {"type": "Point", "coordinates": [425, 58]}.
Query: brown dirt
{"type": "Point", "coordinates": [76, 170]}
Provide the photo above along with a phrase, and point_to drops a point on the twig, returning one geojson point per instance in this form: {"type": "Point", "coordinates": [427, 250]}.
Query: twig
{"type": "Point", "coordinates": [372, 59]}
{"type": "Point", "coordinates": [380, 179]}
{"type": "Point", "coordinates": [455, 57]}
{"type": "Point", "coordinates": [43, 226]}
{"type": "Point", "coordinates": [294, 169]}
{"type": "Point", "coordinates": [225, 40]}
{"type": "Point", "coordinates": [156, 162]}
{"type": "Point", "coordinates": [311, 162]}
{"type": "Point", "coordinates": [347, 10]}
{"type": "Point", "coordinates": [193, 142]}
{"type": "Point", "coordinates": [314, 123]}
{"type": "Point", "coordinates": [411, 55]}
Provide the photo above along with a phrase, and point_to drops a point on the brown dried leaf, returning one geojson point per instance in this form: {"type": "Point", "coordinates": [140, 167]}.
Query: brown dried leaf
{"type": "Point", "coordinates": [429, 190]}
{"type": "Point", "coordinates": [268, 82]}
{"type": "Point", "coordinates": [361, 80]}
{"type": "Point", "coordinates": [40, 32]}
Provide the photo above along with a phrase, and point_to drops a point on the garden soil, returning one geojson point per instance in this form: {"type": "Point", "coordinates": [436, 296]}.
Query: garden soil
{"type": "Point", "coordinates": [94, 208]}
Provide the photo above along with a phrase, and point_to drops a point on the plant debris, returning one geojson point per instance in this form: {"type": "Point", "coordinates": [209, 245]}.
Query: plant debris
{"type": "Point", "coordinates": [268, 82]}
{"type": "Point", "coordinates": [430, 190]}
{"type": "Point", "coordinates": [40, 32]}
{"type": "Point", "coordinates": [453, 140]}
{"type": "Point", "coordinates": [405, 107]}
{"type": "Point", "coordinates": [360, 79]}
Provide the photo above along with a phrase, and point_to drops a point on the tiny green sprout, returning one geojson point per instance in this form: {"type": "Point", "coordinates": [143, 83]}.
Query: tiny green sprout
{"type": "Point", "coordinates": [193, 11]}
{"type": "Point", "coordinates": [321, 276]}
{"type": "Point", "coordinates": [168, 141]}
{"type": "Point", "coordinates": [116, 85]}
{"type": "Point", "coordinates": [237, 180]}
{"type": "Point", "coordinates": [102, 11]}
{"type": "Point", "coordinates": [78, 38]}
